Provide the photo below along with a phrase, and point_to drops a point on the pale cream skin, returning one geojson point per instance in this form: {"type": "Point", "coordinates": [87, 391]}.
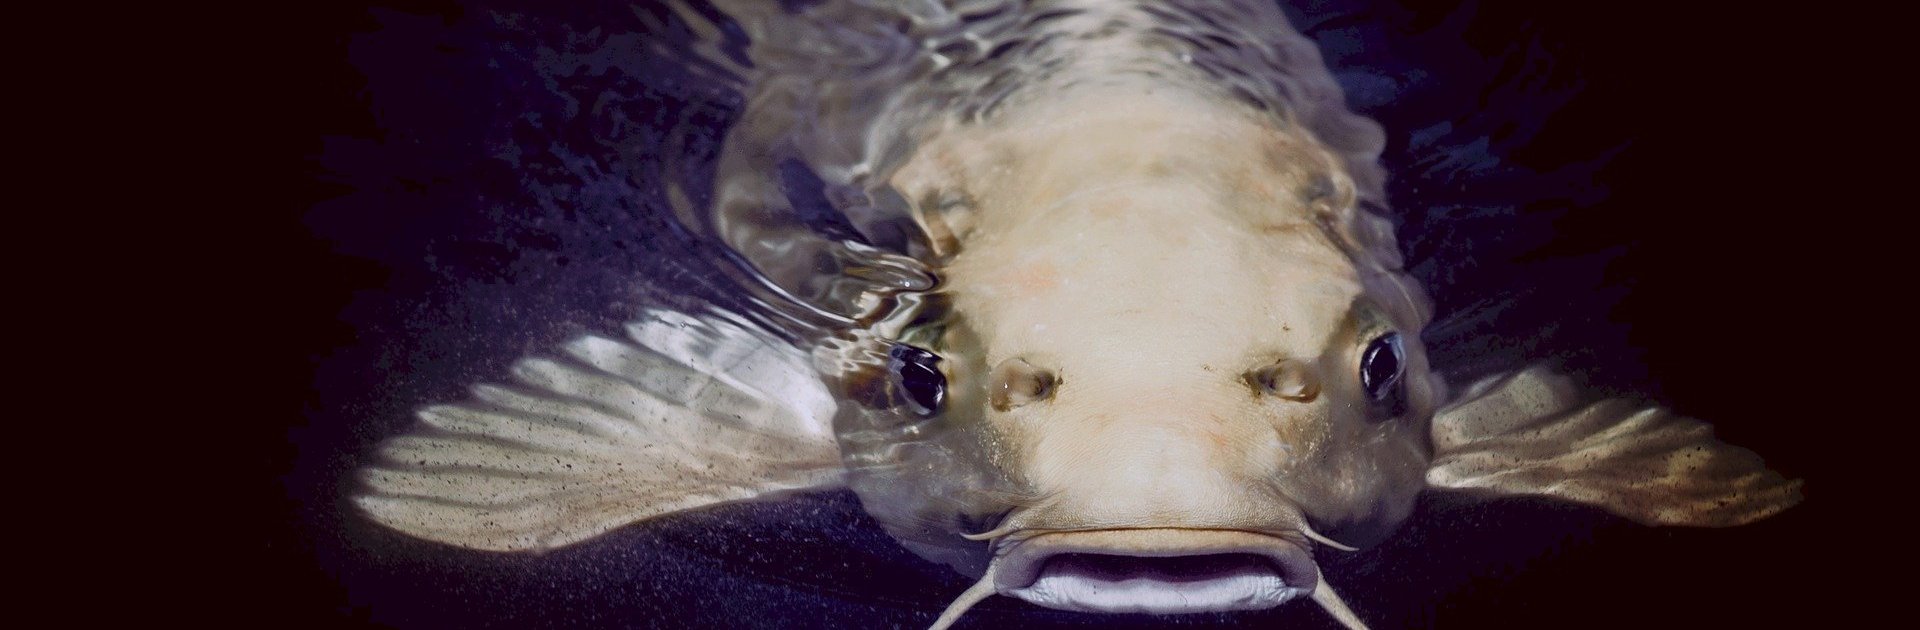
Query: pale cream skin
{"type": "Point", "coordinates": [1150, 255]}
{"type": "Point", "coordinates": [1149, 250]}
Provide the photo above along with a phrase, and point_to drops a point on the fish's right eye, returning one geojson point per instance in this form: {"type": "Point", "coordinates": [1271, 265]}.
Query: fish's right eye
{"type": "Point", "coordinates": [1381, 366]}
{"type": "Point", "coordinates": [917, 377]}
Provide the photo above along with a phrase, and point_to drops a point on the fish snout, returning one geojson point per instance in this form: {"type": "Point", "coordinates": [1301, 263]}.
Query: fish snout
{"type": "Point", "coordinates": [1156, 570]}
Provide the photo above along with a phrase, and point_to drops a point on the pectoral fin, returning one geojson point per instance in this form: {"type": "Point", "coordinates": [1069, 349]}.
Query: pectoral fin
{"type": "Point", "coordinates": [686, 412]}
{"type": "Point", "coordinates": [1530, 434]}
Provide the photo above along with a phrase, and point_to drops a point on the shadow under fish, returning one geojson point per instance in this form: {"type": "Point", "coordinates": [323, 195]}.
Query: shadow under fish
{"type": "Point", "coordinates": [1106, 315]}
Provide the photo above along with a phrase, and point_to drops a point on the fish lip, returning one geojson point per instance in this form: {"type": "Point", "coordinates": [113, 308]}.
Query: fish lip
{"type": "Point", "coordinates": [1021, 562]}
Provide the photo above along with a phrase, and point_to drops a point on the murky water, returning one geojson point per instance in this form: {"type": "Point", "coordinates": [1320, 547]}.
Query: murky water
{"type": "Point", "coordinates": [546, 172]}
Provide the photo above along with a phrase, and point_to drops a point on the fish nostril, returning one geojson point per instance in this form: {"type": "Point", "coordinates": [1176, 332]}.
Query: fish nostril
{"type": "Point", "coordinates": [1017, 382]}
{"type": "Point", "coordinates": [1291, 379]}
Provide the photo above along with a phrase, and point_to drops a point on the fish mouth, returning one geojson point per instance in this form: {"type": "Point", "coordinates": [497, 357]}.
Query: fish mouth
{"type": "Point", "coordinates": [1157, 571]}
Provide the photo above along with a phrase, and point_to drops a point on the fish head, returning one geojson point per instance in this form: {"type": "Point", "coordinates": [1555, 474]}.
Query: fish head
{"type": "Point", "coordinates": [1172, 370]}
{"type": "Point", "coordinates": [1185, 442]}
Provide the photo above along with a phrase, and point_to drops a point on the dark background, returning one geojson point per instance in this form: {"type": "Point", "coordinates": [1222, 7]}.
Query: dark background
{"type": "Point", "coordinates": [1710, 197]}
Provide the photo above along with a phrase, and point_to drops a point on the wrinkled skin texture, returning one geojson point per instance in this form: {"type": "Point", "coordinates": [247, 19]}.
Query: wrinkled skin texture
{"type": "Point", "coordinates": [1150, 259]}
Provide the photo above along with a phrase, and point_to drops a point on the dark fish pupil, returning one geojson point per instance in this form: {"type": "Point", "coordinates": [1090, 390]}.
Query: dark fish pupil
{"type": "Point", "coordinates": [916, 376]}
{"type": "Point", "coordinates": [1380, 366]}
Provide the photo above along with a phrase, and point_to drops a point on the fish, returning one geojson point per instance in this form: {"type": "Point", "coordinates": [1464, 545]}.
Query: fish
{"type": "Point", "coordinates": [1150, 347]}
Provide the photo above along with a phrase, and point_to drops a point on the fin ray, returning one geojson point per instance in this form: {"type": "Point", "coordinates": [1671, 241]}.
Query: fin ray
{"type": "Point", "coordinates": [705, 410]}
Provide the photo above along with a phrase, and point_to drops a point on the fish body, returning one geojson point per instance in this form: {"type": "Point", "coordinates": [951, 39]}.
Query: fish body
{"type": "Point", "coordinates": [1151, 350]}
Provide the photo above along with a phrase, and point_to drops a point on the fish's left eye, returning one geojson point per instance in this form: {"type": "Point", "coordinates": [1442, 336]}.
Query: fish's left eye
{"type": "Point", "coordinates": [1381, 365]}
{"type": "Point", "coordinates": [916, 375]}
